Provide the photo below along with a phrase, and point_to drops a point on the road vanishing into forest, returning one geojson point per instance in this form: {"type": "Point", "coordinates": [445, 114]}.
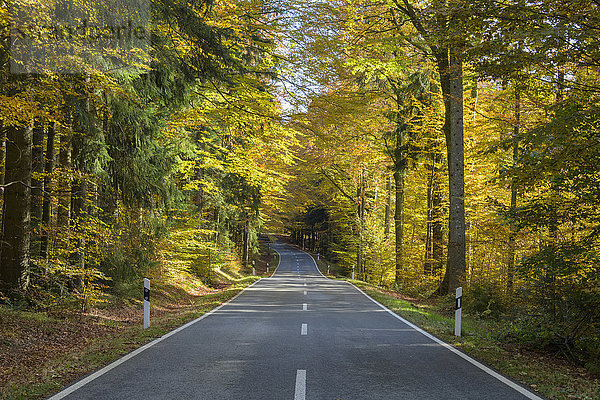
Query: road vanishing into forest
{"type": "Point", "coordinates": [297, 335]}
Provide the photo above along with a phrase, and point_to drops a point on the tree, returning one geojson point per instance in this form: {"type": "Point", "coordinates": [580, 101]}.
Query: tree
{"type": "Point", "coordinates": [447, 45]}
{"type": "Point", "coordinates": [17, 214]}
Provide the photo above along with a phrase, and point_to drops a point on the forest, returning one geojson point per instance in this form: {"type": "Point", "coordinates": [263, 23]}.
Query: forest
{"type": "Point", "coordinates": [426, 145]}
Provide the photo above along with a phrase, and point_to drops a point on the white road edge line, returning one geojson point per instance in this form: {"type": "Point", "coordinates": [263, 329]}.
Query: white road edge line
{"type": "Point", "coordinates": [459, 353]}
{"type": "Point", "coordinates": [300, 393]}
{"type": "Point", "coordinates": [304, 330]}
{"type": "Point", "coordinates": [70, 389]}
{"type": "Point", "coordinates": [278, 262]}
{"type": "Point", "coordinates": [489, 371]}
{"type": "Point", "coordinates": [313, 260]}
{"type": "Point", "coordinates": [304, 307]}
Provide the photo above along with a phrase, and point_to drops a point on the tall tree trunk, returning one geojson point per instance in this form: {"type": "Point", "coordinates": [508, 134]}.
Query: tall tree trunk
{"type": "Point", "coordinates": [434, 242]}
{"type": "Point", "coordinates": [388, 208]}
{"type": "Point", "coordinates": [553, 221]}
{"type": "Point", "coordinates": [245, 245]}
{"type": "Point", "coordinates": [450, 69]}
{"type": "Point", "coordinates": [79, 186]}
{"type": "Point", "coordinates": [14, 266]}
{"type": "Point", "coordinates": [47, 198]}
{"type": "Point", "coordinates": [2, 171]}
{"type": "Point", "coordinates": [199, 195]}
{"type": "Point", "coordinates": [399, 175]}
{"type": "Point", "coordinates": [510, 268]}
{"type": "Point", "coordinates": [37, 165]}
{"type": "Point", "coordinates": [427, 265]}
{"type": "Point", "coordinates": [64, 160]}
{"type": "Point", "coordinates": [456, 226]}
{"type": "Point", "coordinates": [437, 228]}
{"type": "Point", "coordinates": [399, 226]}
{"type": "Point", "coordinates": [360, 213]}
{"type": "Point", "coordinates": [82, 131]}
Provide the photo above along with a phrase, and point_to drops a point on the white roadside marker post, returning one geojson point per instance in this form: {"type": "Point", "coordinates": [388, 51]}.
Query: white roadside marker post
{"type": "Point", "coordinates": [253, 270]}
{"type": "Point", "coordinates": [353, 272]}
{"type": "Point", "coordinates": [267, 268]}
{"type": "Point", "coordinates": [146, 303]}
{"type": "Point", "coordinates": [458, 312]}
{"type": "Point", "coordinates": [328, 270]}
{"type": "Point", "coordinates": [318, 256]}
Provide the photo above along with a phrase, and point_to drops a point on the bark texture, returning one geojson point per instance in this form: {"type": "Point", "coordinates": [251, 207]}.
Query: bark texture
{"type": "Point", "coordinates": [14, 271]}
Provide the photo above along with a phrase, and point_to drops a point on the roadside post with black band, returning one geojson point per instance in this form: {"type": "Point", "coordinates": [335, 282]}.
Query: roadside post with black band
{"type": "Point", "coordinates": [146, 303]}
{"type": "Point", "coordinates": [458, 312]}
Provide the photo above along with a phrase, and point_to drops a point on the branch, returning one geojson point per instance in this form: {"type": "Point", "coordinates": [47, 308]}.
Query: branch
{"type": "Point", "coordinates": [337, 186]}
{"type": "Point", "coordinates": [4, 186]}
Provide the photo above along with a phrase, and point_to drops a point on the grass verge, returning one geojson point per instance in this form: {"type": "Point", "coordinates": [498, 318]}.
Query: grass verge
{"type": "Point", "coordinates": [551, 377]}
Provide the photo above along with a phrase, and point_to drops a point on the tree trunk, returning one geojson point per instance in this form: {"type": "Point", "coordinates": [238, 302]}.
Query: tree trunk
{"type": "Point", "coordinates": [79, 186]}
{"type": "Point", "coordinates": [437, 229]}
{"type": "Point", "coordinates": [399, 175]}
{"type": "Point", "coordinates": [399, 226]}
{"type": "Point", "coordinates": [434, 242]}
{"type": "Point", "coordinates": [199, 195]}
{"type": "Point", "coordinates": [245, 244]}
{"type": "Point", "coordinates": [450, 69]}
{"type": "Point", "coordinates": [82, 130]}
{"type": "Point", "coordinates": [64, 159]}
{"type": "Point", "coordinates": [360, 213]}
{"type": "Point", "coordinates": [14, 271]}
{"type": "Point", "coordinates": [46, 205]}
{"type": "Point", "coordinates": [2, 171]}
{"type": "Point", "coordinates": [388, 208]}
{"type": "Point", "coordinates": [510, 268]}
{"type": "Point", "coordinates": [37, 165]}
{"type": "Point", "coordinates": [2, 158]}
{"type": "Point", "coordinates": [553, 222]}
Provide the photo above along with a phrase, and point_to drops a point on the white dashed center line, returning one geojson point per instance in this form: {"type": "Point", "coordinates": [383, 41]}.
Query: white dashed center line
{"type": "Point", "coordinates": [304, 307]}
{"type": "Point", "coordinates": [300, 385]}
{"type": "Point", "coordinates": [305, 292]}
{"type": "Point", "coordinates": [304, 330]}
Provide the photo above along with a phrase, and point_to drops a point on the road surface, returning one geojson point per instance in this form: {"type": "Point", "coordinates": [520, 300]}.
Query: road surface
{"type": "Point", "coordinates": [297, 335]}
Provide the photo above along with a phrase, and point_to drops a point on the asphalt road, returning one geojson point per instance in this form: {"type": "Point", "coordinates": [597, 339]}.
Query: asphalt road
{"type": "Point", "coordinates": [297, 336]}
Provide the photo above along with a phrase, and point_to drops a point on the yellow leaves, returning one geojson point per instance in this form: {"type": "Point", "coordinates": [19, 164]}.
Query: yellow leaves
{"type": "Point", "coordinates": [18, 110]}
{"type": "Point", "coordinates": [178, 124]}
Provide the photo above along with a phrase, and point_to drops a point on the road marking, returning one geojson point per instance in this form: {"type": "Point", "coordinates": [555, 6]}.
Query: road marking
{"type": "Point", "coordinates": [304, 330]}
{"type": "Point", "coordinates": [304, 307]}
{"type": "Point", "coordinates": [459, 353]}
{"type": "Point", "coordinates": [134, 353]}
{"type": "Point", "coordinates": [305, 292]}
{"type": "Point", "coordinates": [300, 385]}
{"type": "Point", "coordinates": [304, 283]}
{"type": "Point", "coordinates": [314, 262]}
